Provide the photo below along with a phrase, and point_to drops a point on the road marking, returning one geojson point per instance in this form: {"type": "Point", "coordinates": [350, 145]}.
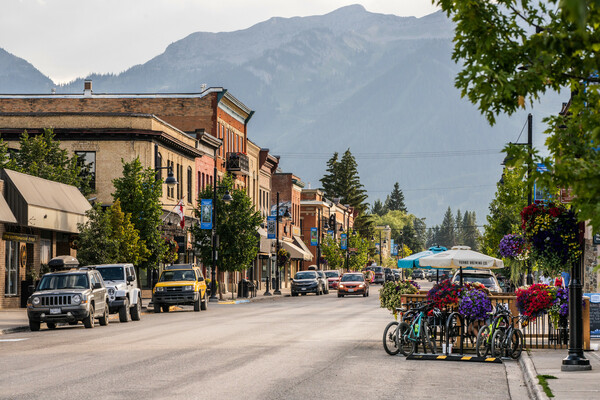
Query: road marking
{"type": "Point", "coordinates": [441, 357]}
{"type": "Point", "coordinates": [13, 340]}
{"type": "Point", "coordinates": [466, 358]}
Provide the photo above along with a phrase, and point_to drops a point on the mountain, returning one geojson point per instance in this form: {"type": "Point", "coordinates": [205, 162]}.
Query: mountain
{"type": "Point", "coordinates": [381, 85]}
{"type": "Point", "coordinates": [19, 76]}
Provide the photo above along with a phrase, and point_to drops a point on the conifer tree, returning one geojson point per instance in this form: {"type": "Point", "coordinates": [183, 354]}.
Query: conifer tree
{"type": "Point", "coordinates": [395, 201]}
{"type": "Point", "coordinates": [330, 181]}
{"type": "Point", "coordinates": [447, 232]}
{"type": "Point", "coordinates": [378, 208]}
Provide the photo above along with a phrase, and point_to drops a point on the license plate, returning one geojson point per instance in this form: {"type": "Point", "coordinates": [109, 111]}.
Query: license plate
{"type": "Point", "coordinates": [351, 290]}
{"type": "Point", "coordinates": [55, 311]}
{"type": "Point", "coordinates": [303, 288]}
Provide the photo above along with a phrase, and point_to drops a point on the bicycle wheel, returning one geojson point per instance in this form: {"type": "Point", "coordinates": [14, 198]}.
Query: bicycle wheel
{"type": "Point", "coordinates": [483, 343]}
{"type": "Point", "coordinates": [404, 344]}
{"type": "Point", "coordinates": [390, 342]}
{"type": "Point", "coordinates": [497, 343]}
{"type": "Point", "coordinates": [453, 330]}
{"type": "Point", "coordinates": [515, 346]}
{"type": "Point", "coordinates": [428, 338]}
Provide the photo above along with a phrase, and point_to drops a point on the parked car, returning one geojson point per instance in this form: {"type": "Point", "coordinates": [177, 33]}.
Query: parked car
{"type": "Point", "coordinates": [443, 274]}
{"type": "Point", "coordinates": [418, 274]}
{"type": "Point", "coordinates": [68, 297]}
{"type": "Point", "coordinates": [324, 280]}
{"type": "Point", "coordinates": [353, 283]}
{"type": "Point", "coordinates": [180, 284]}
{"type": "Point", "coordinates": [378, 272]}
{"type": "Point", "coordinates": [483, 276]}
{"type": "Point", "coordinates": [397, 274]}
{"type": "Point", "coordinates": [333, 277]}
{"type": "Point", "coordinates": [124, 296]}
{"type": "Point", "coordinates": [388, 275]}
{"type": "Point", "coordinates": [307, 282]}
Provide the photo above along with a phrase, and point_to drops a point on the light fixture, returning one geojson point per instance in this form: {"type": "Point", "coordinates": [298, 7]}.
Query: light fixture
{"type": "Point", "coordinates": [227, 197]}
{"type": "Point", "coordinates": [170, 181]}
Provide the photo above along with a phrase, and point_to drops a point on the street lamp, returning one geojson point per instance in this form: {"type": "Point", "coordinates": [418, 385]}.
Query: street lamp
{"type": "Point", "coordinates": [286, 216]}
{"type": "Point", "coordinates": [347, 236]}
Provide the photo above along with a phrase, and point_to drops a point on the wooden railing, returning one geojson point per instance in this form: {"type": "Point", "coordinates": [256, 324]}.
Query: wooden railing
{"type": "Point", "coordinates": [540, 333]}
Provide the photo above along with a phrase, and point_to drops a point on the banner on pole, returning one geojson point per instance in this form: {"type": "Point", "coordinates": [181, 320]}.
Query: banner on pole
{"type": "Point", "coordinates": [344, 241]}
{"type": "Point", "coordinates": [314, 241]}
{"type": "Point", "coordinates": [206, 214]}
{"type": "Point", "coordinates": [330, 233]}
{"type": "Point", "coordinates": [271, 226]}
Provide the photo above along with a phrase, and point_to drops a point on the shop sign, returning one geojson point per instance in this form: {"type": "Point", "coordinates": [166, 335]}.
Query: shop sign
{"type": "Point", "coordinates": [19, 237]}
{"type": "Point", "coordinates": [597, 238]}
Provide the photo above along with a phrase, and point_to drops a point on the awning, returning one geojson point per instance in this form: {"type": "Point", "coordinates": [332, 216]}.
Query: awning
{"type": "Point", "coordinates": [5, 214]}
{"type": "Point", "coordinates": [295, 251]}
{"type": "Point", "coordinates": [44, 204]}
{"type": "Point", "coordinates": [300, 243]}
{"type": "Point", "coordinates": [265, 244]}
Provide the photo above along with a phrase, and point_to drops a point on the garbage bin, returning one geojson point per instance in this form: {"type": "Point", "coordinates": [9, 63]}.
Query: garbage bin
{"type": "Point", "coordinates": [243, 288]}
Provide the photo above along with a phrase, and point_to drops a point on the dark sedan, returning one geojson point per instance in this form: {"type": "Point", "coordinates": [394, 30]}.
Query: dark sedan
{"type": "Point", "coordinates": [307, 282]}
{"type": "Point", "coordinates": [353, 283]}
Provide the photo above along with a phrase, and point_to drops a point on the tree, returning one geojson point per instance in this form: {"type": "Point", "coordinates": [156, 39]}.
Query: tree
{"type": "Point", "coordinates": [378, 208]}
{"type": "Point", "coordinates": [395, 201]}
{"type": "Point", "coordinates": [139, 194]}
{"type": "Point", "coordinates": [42, 156]}
{"type": "Point", "coordinates": [358, 259]}
{"type": "Point", "coordinates": [460, 230]}
{"type": "Point", "coordinates": [332, 253]}
{"type": "Point", "coordinates": [470, 232]}
{"type": "Point", "coordinates": [511, 53]}
{"type": "Point", "coordinates": [237, 225]}
{"type": "Point", "coordinates": [330, 180]}
{"type": "Point", "coordinates": [447, 232]}
{"type": "Point", "coordinates": [109, 237]}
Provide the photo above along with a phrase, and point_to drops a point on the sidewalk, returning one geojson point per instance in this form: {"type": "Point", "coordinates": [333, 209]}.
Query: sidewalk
{"type": "Point", "coordinates": [15, 319]}
{"type": "Point", "coordinates": [567, 385]}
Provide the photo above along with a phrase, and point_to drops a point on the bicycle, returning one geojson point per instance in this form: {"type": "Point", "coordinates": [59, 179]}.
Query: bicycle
{"type": "Point", "coordinates": [390, 341]}
{"type": "Point", "coordinates": [510, 341]}
{"type": "Point", "coordinates": [500, 322]}
{"type": "Point", "coordinates": [418, 332]}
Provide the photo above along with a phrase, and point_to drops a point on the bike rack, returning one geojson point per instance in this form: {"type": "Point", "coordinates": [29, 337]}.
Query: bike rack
{"type": "Point", "coordinates": [458, 357]}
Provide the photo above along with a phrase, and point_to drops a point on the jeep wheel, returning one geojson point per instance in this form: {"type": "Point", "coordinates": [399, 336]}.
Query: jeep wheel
{"type": "Point", "coordinates": [34, 326]}
{"type": "Point", "coordinates": [157, 308]}
{"type": "Point", "coordinates": [51, 325]}
{"type": "Point", "coordinates": [204, 304]}
{"type": "Point", "coordinates": [165, 308]}
{"type": "Point", "coordinates": [88, 321]}
{"type": "Point", "coordinates": [103, 320]}
{"type": "Point", "coordinates": [197, 303]}
{"type": "Point", "coordinates": [124, 312]}
{"type": "Point", "coordinates": [136, 310]}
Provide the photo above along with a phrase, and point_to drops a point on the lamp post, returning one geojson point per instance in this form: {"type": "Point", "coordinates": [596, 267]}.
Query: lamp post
{"type": "Point", "coordinates": [215, 239]}
{"type": "Point", "coordinates": [347, 237]}
{"type": "Point", "coordinates": [319, 239]}
{"type": "Point", "coordinates": [380, 249]}
{"type": "Point", "coordinates": [170, 181]}
{"type": "Point", "coordinates": [277, 271]}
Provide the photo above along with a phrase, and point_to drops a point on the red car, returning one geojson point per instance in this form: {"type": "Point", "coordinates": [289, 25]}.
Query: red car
{"type": "Point", "coordinates": [333, 277]}
{"type": "Point", "coordinates": [353, 283]}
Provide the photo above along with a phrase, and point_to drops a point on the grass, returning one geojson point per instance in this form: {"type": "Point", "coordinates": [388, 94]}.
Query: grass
{"type": "Point", "coordinates": [543, 380]}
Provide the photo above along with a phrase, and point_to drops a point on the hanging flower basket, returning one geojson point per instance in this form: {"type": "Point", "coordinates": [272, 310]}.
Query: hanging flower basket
{"type": "Point", "coordinates": [390, 296]}
{"type": "Point", "coordinates": [283, 257]}
{"type": "Point", "coordinates": [535, 300]}
{"type": "Point", "coordinates": [551, 231]}
{"type": "Point", "coordinates": [445, 295]}
{"type": "Point", "coordinates": [560, 308]}
{"type": "Point", "coordinates": [512, 245]}
{"type": "Point", "coordinates": [474, 303]}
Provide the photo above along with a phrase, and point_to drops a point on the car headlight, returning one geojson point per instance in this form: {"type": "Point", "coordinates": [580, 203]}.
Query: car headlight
{"type": "Point", "coordinates": [76, 299]}
{"type": "Point", "coordinates": [35, 301]}
{"type": "Point", "coordinates": [341, 285]}
{"type": "Point", "coordinates": [111, 291]}
{"type": "Point", "coordinates": [188, 287]}
{"type": "Point", "coordinates": [361, 285]}
{"type": "Point", "coordinates": [160, 289]}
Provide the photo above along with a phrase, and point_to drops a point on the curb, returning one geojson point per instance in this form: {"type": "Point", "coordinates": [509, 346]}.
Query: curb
{"type": "Point", "coordinates": [530, 377]}
{"type": "Point", "coordinates": [16, 329]}
{"type": "Point", "coordinates": [234, 302]}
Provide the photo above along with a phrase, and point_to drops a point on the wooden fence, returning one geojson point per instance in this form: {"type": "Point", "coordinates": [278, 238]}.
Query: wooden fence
{"type": "Point", "coordinates": [540, 333]}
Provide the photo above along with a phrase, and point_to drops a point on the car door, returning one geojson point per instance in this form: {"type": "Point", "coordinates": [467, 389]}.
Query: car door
{"type": "Point", "coordinates": [99, 294]}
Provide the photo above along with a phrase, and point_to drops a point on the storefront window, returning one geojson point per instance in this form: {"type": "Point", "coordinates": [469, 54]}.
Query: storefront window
{"type": "Point", "coordinates": [45, 251]}
{"type": "Point", "coordinates": [11, 280]}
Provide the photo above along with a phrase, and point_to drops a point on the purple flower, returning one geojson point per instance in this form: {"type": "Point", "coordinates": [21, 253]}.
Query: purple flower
{"type": "Point", "coordinates": [511, 245]}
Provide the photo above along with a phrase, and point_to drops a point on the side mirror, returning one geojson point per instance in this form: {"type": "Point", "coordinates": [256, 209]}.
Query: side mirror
{"type": "Point", "coordinates": [97, 285]}
{"type": "Point", "coordinates": [130, 278]}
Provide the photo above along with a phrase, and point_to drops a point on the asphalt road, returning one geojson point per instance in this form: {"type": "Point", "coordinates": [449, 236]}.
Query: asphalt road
{"type": "Point", "coordinates": [285, 348]}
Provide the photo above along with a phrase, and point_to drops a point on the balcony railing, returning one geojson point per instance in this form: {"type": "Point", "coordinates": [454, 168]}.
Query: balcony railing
{"type": "Point", "coordinates": [238, 164]}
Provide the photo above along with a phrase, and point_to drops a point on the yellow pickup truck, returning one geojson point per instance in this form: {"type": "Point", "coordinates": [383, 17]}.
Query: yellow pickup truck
{"type": "Point", "coordinates": [180, 284]}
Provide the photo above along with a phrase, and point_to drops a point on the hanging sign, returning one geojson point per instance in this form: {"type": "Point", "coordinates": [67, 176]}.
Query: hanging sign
{"type": "Point", "coordinates": [314, 240]}
{"type": "Point", "coordinates": [393, 248]}
{"type": "Point", "coordinates": [344, 241]}
{"type": "Point", "coordinates": [271, 226]}
{"type": "Point", "coordinates": [206, 213]}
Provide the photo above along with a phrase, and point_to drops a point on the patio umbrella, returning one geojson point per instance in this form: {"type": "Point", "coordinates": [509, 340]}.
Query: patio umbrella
{"type": "Point", "coordinates": [461, 257]}
{"type": "Point", "coordinates": [412, 261]}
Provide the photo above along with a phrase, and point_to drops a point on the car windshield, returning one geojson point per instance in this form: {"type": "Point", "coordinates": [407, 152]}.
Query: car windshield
{"type": "Point", "coordinates": [64, 281]}
{"type": "Point", "coordinates": [352, 278]}
{"type": "Point", "coordinates": [486, 280]}
{"type": "Point", "coordinates": [332, 274]}
{"type": "Point", "coordinates": [169, 276]}
{"type": "Point", "coordinates": [112, 274]}
{"type": "Point", "coordinates": [306, 275]}
{"type": "Point", "coordinates": [378, 269]}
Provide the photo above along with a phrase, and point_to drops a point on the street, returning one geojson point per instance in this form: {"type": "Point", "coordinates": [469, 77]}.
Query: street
{"type": "Point", "coordinates": [319, 347]}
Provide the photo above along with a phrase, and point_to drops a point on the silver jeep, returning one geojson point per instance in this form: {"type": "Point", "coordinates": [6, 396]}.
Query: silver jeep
{"type": "Point", "coordinates": [124, 296]}
{"type": "Point", "coordinates": [68, 297]}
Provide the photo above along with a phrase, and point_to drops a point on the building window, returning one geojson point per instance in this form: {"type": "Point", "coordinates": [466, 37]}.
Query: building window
{"type": "Point", "coordinates": [170, 190]}
{"type": "Point", "coordinates": [11, 279]}
{"type": "Point", "coordinates": [45, 251]}
{"type": "Point", "coordinates": [189, 185]}
{"type": "Point", "coordinates": [86, 160]}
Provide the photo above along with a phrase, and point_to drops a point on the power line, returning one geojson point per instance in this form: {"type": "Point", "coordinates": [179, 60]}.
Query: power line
{"type": "Point", "coordinates": [409, 155]}
{"type": "Point", "coordinates": [433, 188]}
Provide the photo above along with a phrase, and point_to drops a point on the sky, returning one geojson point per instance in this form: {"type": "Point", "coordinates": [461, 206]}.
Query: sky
{"type": "Point", "coordinates": [67, 39]}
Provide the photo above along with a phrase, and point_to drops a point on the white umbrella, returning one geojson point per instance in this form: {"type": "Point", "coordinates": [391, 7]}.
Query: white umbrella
{"type": "Point", "coordinates": [459, 257]}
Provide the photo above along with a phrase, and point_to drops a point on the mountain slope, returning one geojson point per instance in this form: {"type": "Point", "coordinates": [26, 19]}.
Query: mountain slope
{"type": "Point", "coordinates": [19, 76]}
